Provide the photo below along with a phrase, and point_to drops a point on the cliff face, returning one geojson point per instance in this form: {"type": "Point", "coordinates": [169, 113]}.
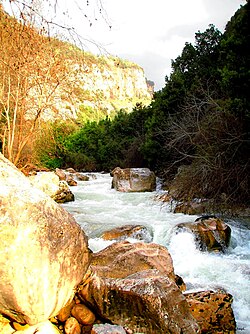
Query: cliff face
{"type": "Point", "coordinates": [50, 79]}
{"type": "Point", "coordinates": [96, 87]}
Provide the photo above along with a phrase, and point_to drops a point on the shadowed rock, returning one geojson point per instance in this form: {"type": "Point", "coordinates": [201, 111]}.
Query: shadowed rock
{"type": "Point", "coordinates": [145, 302]}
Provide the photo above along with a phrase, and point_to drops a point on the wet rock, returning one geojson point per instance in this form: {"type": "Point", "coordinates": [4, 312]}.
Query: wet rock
{"type": "Point", "coordinates": [143, 303]}
{"type": "Point", "coordinates": [70, 170]}
{"type": "Point", "coordinates": [139, 232]}
{"type": "Point", "coordinates": [82, 177]}
{"type": "Point", "coordinates": [72, 326]}
{"type": "Point", "coordinates": [133, 179]}
{"type": "Point", "coordinates": [44, 252]}
{"type": "Point", "coordinates": [108, 329]}
{"type": "Point", "coordinates": [71, 181]}
{"type": "Point", "coordinates": [61, 174]}
{"type": "Point", "coordinates": [122, 259]}
{"type": "Point", "coordinates": [212, 311]}
{"type": "Point", "coordinates": [211, 233]}
{"type": "Point", "coordinates": [63, 194]}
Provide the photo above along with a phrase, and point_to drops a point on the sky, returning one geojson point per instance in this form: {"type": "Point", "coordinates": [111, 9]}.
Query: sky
{"type": "Point", "coordinates": [148, 32]}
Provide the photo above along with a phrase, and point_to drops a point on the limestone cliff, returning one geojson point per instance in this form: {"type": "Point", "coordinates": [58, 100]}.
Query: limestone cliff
{"type": "Point", "coordinates": [98, 86]}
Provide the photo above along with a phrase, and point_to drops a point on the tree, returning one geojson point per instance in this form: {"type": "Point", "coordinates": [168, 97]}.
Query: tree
{"type": "Point", "coordinates": [31, 71]}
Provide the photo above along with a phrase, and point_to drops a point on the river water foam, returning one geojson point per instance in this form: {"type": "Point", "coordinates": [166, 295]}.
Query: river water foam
{"type": "Point", "coordinates": [98, 208]}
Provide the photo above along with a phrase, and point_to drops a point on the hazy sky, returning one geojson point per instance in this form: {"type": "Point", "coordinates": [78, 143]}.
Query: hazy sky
{"type": "Point", "coordinates": [148, 32]}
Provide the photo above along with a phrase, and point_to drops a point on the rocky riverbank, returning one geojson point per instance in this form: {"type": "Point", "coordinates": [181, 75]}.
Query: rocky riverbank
{"type": "Point", "coordinates": [52, 283]}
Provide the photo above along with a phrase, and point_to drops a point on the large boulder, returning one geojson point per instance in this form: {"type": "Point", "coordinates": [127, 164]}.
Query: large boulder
{"type": "Point", "coordinates": [53, 185]}
{"type": "Point", "coordinates": [212, 311]}
{"type": "Point", "coordinates": [211, 233]}
{"type": "Point", "coordinates": [43, 251]}
{"type": "Point", "coordinates": [133, 179]}
{"type": "Point", "coordinates": [123, 258]}
{"type": "Point", "coordinates": [147, 302]}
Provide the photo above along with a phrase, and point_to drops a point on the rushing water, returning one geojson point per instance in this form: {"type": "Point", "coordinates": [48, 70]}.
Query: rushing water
{"type": "Point", "coordinates": [98, 208]}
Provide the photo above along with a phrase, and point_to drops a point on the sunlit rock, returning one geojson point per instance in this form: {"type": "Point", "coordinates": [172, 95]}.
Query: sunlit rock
{"type": "Point", "coordinates": [139, 232]}
{"type": "Point", "coordinates": [122, 259]}
{"type": "Point", "coordinates": [145, 303]}
{"type": "Point", "coordinates": [212, 311]}
{"type": "Point", "coordinates": [42, 328]}
{"type": "Point", "coordinates": [61, 174]}
{"type": "Point", "coordinates": [43, 251]}
{"type": "Point", "coordinates": [211, 233]}
{"type": "Point", "coordinates": [72, 326]}
{"type": "Point", "coordinates": [51, 185]}
{"type": "Point", "coordinates": [133, 179]}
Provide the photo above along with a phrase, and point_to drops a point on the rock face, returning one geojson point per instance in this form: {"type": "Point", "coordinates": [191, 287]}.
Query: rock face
{"type": "Point", "coordinates": [212, 311]}
{"type": "Point", "coordinates": [43, 251]}
{"type": "Point", "coordinates": [211, 233]}
{"type": "Point", "coordinates": [145, 303]}
{"type": "Point", "coordinates": [133, 179]}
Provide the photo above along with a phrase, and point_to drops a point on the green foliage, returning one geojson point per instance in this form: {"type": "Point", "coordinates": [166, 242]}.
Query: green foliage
{"type": "Point", "coordinates": [195, 133]}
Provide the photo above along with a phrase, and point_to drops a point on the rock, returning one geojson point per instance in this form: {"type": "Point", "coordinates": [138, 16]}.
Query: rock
{"type": "Point", "coordinates": [72, 326]}
{"type": "Point", "coordinates": [107, 329]}
{"type": "Point", "coordinates": [70, 170]}
{"type": "Point", "coordinates": [143, 303]}
{"type": "Point", "coordinates": [122, 259]}
{"type": "Point", "coordinates": [83, 314]}
{"type": "Point", "coordinates": [82, 177]}
{"type": "Point", "coordinates": [42, 328]}
{"type": "Point", "coordinates": [47, 182]}
{"type": "Point", "coordinates": [133, 179]}
{"type": "Point", "coordinates": [44, 252]}
{"type": "Point", "coordinates": [139, 232]}
{"type": "Point", "coordinates": [61, 174]}
{"type": "Point", "coordinates": [212, 311]}
{"type": "Point", "coordinates": [211, 233]}
{"type": "Point", "coordinates": [194, 207]}
{"type": "Point", "coordinates": [5, 327]}
{"type": "Point", "coordinates": [63, 194]}
{"type": "Point", "coordinates": [65, 312]}
{"type": "Point", "coordinates": [71, 181]}
{"type": "Point", "coordinates": [50, 184]}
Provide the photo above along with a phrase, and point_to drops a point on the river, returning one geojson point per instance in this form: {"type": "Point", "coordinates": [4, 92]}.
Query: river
{"type": "Point", "coordinates": [98, 208]}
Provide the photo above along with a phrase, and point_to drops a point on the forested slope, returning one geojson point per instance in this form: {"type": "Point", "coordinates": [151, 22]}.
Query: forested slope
{"type": "Point", "coordinates": [195, 134]}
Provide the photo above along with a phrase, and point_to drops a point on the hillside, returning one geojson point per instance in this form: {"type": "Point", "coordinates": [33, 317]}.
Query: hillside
{"type": "Point", "coordinates": [66, 81]}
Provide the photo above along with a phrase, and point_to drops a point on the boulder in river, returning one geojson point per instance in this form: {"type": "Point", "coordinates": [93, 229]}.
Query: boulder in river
{"type": "Point", "coordinates": [123, 258]}
{"type": "Point", "coordinates": [211, 233]}
{"type": "Point", "coordinates": [212, 311]}
{"type": "Point", "coordinates": [139, 232]}
{"type": "Point", "coordinates": [133, 179]}
{"type": "Point", "coordinates": [145, 303]}
{"type": "Point", "coordinates": [44, 252]}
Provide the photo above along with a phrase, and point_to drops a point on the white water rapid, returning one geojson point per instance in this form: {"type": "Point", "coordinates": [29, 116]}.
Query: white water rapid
{"type": "Point", "coordinates": [98, 208]}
